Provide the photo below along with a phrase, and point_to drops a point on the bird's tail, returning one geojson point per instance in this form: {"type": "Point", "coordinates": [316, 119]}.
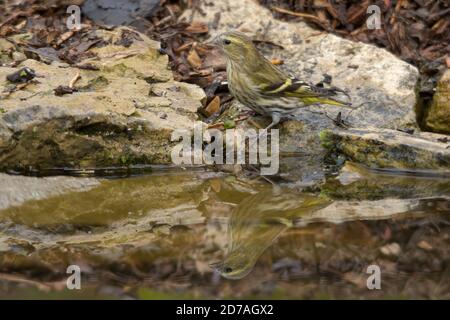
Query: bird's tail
{"type": "Point", "coordinates": [327, 100]}
{"type": "Point", "coordinates": [339, 103]}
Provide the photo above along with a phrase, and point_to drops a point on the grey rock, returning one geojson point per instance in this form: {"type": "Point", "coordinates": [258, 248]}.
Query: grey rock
{"type": "Point", "coordinates": [112, 120]}
{"type": "Point", "coordinates": [391, 149]}
{"type": "Point", "coordinates": [376, 80]}
{"type": "Point", "coordinates": [381, 86]}
{"type": "Point", "coordinates": [118, 12]}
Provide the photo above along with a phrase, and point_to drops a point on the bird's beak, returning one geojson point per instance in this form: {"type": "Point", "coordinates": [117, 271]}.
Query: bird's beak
{"type": "Point", "coordinates": [216, 265]}
{"type": "Point", "coordinates": [214, 42]}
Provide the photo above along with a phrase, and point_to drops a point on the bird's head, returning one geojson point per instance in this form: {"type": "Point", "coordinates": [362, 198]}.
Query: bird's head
{"type": "Point", "coordinates": [236, 46]}
{"type": "Point", "coordinates": [238, 263]}
{"type": "Point", "coordinates": [232, 268]}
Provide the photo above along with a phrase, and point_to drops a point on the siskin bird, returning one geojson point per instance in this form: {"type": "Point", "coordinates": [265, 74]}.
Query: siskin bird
{"type": "Point", "coordinates": [257, 222]}
{"type": "Point", "coordinates": [263, 87]}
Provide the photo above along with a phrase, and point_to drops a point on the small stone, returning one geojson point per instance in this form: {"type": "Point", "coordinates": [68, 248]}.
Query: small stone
{"type": "Point", "coordinates": [5, 45]}
{"type": "Point", "coordinates": [21, 76]}
{"type": "Point", "coordinates": [19, 56]}
{"type": "Point", "coordinates": [163, 115]}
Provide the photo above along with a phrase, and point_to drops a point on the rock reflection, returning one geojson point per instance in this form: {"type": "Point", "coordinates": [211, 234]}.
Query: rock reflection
{"type": "Point", "coordinates": [259, 219]}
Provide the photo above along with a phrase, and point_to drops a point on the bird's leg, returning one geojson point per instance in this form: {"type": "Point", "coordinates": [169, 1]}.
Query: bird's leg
{"type": "Point", "coordinates": [276, 118]}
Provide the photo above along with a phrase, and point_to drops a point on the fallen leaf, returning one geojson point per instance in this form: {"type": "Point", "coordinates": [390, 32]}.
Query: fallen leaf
{"type": "Point", "coordinates": [183, 47]}
{"type": "Point", "coordinates": [194, 59]}
{"type": "Point", "coordinates": [64, 37]}
{"type": "Point", "coordinates": [424, 245]}
{"type": "Point", "coordinates": [197, 27]}
{"type": "Point", "coordinates": [213, 106]}
{"type": "Point", "coordinates": [391, 249]}
{"type": "Point", "coordinates": [276, 62]}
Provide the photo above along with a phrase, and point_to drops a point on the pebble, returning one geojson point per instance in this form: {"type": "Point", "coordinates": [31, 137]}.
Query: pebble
{"type": "Point", "coordinates": [19, 56]}
{"type": "Point", "coordinates": [163, 115]}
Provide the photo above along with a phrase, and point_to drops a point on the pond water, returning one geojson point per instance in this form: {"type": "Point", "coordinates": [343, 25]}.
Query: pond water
{"type": "Point", "coordinates": [200, 234]}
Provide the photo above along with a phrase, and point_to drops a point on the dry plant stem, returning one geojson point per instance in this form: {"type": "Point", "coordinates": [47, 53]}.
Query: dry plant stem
{"type": "Point", "coordinates": [297, 14]}
{"type": "Point", "coordinates": [74, 80]}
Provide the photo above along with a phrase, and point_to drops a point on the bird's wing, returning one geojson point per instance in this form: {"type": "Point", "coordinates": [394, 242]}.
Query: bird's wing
{"type": "Point", "coordinates": [307, 93]}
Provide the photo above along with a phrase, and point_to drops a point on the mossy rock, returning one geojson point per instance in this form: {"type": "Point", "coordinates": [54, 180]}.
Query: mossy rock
{"type": "Point", "coordinates": [392, 149]}
{"type": "Point", "coordinates": [111, 119]}
{"type": "Point", "coordinates": [438, 119]}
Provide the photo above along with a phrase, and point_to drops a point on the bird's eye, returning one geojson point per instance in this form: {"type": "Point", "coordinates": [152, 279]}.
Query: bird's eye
{"type": "Point", "coordinates": [226, 42]}
{"type": "Point", "coordinates": [228, 269]}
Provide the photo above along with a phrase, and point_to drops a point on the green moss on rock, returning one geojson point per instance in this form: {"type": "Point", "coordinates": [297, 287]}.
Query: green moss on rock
{"type": "Point", "coordinates": [438, 119]}
{"type": "Point", "coordinates": [384, 148]}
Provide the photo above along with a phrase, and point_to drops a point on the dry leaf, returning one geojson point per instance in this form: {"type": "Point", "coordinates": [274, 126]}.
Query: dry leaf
{"type": "Point", "coordinates": [424, 245]}
{"type": "Point", "coordinates": [194, 59]}
{"type": "Point", "coordinates": [391, 249]}
{"type": "Point", "coordinates": [197, 27]}
{"type": "Point", "coordinates": [276, 61]}
{"type": "Point", "coordinates": [213, 106]}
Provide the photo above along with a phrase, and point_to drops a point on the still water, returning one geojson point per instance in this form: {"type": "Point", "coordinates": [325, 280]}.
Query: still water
{"type": "Point", "coordinates": [200, 234]}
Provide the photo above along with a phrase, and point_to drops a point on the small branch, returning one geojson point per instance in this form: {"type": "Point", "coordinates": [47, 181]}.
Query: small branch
{"type": "Point", "coordinates": [74, 80]}
{"type": "Point", "coordinates": [297, 14]}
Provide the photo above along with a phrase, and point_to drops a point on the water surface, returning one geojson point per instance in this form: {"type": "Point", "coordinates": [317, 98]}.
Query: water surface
{"type": "Point", "coordinates": [199, 234]}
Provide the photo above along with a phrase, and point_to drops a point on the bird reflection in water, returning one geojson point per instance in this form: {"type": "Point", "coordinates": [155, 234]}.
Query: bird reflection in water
{"type": "Point", "coordinates": [257, 222]}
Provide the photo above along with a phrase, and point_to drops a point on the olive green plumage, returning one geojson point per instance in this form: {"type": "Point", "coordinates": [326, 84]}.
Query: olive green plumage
{"type": "Point", "coordinates": [257, 222]}
{"type": "Point", "coordinates": [264, 88]}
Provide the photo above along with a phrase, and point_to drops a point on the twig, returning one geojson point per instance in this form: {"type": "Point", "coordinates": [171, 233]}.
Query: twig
{"type": "Point", "coordinates": [45, 286]}
{"type": "Point", "coordinates": [74, 80]}
{"type": "Point", "coordinates": [297, 14]}
{"type": "Point", "coordinates": [64, 37]}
